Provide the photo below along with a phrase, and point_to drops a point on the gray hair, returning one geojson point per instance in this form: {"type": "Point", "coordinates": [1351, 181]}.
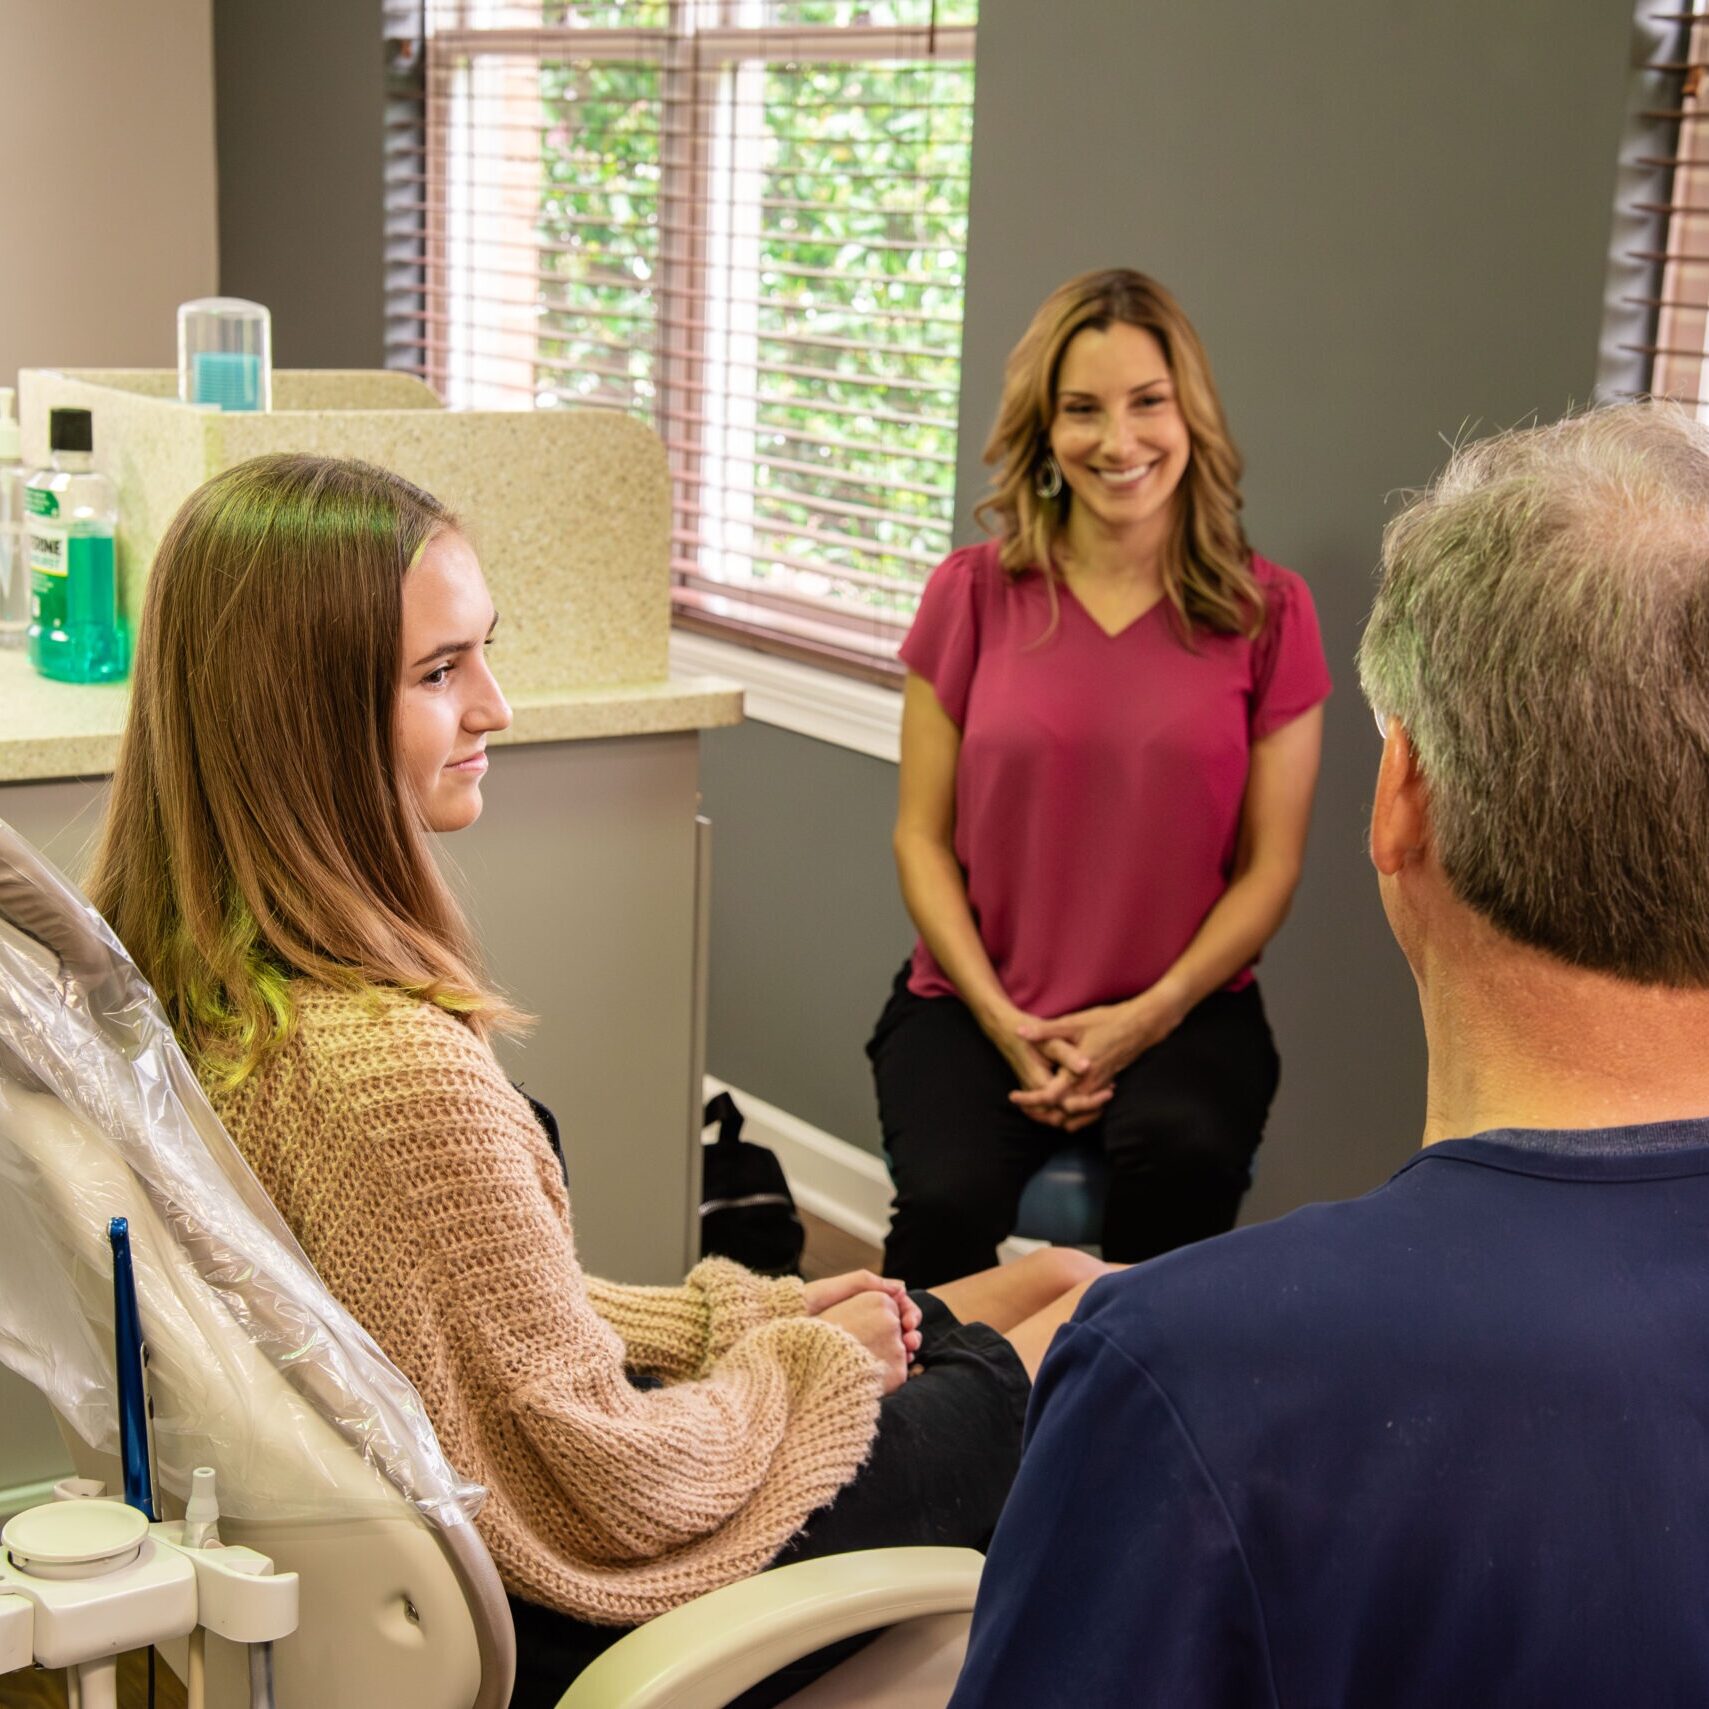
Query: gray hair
{"type": "Point", "coordinates": [1542, 634]}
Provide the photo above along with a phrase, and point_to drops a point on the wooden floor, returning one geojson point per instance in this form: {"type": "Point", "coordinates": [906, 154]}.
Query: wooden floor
{"type": "Point", "coordinates": [39, 1690]}
{"type": "Point", "coordinates": [828, 1253]}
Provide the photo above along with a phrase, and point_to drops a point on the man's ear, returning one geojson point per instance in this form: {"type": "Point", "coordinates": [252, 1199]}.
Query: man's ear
{"type": "Point", "coordinates": [1400, 823]}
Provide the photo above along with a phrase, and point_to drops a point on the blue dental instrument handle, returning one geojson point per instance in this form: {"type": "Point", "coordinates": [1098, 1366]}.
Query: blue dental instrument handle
{"type": "Point", "coordinates": [130, 1359]}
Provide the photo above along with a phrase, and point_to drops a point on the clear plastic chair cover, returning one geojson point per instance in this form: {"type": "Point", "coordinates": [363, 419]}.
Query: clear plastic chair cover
{"type": "Point", "coordinates": [254, 1367]}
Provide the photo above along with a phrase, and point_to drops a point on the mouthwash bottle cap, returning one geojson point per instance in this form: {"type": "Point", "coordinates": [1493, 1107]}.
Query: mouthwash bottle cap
{"type": "Point", "coordinates": [70, 430]}
{"type": "Point", "coordinates": [10, 433]}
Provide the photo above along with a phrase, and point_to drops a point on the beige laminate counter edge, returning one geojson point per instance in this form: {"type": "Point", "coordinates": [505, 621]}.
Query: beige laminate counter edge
{"type": "Point", "coordinates": [54, 730]}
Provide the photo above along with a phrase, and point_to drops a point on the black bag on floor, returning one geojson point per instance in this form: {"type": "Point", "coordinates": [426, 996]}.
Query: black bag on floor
{"type": "Point", "coordinates": [746, 1209]}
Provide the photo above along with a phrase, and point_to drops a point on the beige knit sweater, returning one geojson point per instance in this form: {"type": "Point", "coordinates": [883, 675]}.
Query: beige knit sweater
{"type": "Point", "coordinates": [424, 1192]}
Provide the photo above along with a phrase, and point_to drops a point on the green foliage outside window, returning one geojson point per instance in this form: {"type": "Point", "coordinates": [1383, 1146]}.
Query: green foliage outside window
{"type": "Point", "coordinates": [841, 14]}
{"type": "Point", "coordinates": [864, 181]}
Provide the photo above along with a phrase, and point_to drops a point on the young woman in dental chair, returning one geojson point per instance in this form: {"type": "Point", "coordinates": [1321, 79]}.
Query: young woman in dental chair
{"type": "Point", "coordinates": [313, 698]}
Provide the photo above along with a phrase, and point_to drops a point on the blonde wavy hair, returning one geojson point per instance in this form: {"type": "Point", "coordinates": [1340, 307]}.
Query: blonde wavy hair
{"type": "Point", "coordinates": [258, 831]}
{"type": "Point", "coordinates": [1207, 564]}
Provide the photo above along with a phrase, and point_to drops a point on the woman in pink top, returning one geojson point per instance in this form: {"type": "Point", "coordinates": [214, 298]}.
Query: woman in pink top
{"type": "Point", "coordinates": [1110, 741]}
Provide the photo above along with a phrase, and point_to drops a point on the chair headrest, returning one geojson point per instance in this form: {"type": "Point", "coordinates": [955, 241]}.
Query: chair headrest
{"type": "Point", "coordinates": [101, 1114]}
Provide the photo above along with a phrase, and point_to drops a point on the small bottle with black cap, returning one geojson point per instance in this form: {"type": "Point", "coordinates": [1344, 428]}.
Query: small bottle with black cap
{"type": "Point", "coordinates": [70, 513]}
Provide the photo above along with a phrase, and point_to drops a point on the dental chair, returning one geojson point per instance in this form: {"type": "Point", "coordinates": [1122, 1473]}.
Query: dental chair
{"type": "Point", "coordinates": [325, 1459]}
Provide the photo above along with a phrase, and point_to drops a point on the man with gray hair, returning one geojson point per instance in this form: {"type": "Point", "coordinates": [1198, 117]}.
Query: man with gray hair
{"type": "Point", "coordinates": [1449, 1443]}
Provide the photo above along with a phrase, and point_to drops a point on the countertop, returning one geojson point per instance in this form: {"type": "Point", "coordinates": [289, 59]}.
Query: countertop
{"type": "Point", "coordinates": [54, 729]}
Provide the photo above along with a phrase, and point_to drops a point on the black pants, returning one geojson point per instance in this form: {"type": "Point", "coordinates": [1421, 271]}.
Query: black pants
{"type": "Point", "coordinates": [948, 1445]}
{"type": "Point", "coordinates": [1179, 1134]}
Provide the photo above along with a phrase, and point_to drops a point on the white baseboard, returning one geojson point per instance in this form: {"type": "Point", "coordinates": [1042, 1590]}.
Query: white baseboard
{"type": "Point", "coordinates": [848, 1187]}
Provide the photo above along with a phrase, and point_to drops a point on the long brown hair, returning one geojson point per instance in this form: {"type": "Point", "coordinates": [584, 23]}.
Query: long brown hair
{"type": "Point", "coordinates": [1207, 564]}
{"type": "Point", "coordinates": [257, 829]}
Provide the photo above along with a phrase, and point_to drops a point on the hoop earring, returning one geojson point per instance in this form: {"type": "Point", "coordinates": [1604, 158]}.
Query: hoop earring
{"type": "Point", "coordinates": [1047, 477]}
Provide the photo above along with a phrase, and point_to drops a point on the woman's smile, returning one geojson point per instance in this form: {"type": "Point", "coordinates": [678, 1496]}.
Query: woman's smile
{"type": "Point", "coordinates": [1129, 477]}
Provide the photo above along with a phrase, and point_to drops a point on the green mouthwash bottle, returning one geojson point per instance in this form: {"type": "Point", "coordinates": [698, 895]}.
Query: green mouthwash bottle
{"type": "Point", "coordinates": [69, 517]}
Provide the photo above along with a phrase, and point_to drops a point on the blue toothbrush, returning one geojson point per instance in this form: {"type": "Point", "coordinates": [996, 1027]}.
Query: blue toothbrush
{"type": "Point", "coordinates": [131, 1359]}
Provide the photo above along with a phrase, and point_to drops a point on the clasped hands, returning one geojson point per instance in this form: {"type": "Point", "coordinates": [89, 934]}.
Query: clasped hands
{"type": "Point", "coordinates": [1067, 1066]}
{"type": "Point", "coordinates": [877, 1312]}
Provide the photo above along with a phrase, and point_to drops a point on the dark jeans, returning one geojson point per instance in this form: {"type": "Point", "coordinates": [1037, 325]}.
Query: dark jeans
{"type": "Point", "coordinates": [1179, 1134]}
{"type": "Point", "coordinates": [948, 1443]}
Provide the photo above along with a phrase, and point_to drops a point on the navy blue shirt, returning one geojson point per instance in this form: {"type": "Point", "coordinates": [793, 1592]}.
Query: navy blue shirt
{"type": "Point", "coordinates": [1447, 1444]}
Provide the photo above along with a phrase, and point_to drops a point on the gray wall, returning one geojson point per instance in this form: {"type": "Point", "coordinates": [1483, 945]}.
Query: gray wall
{"type": "Point", "coordinates": [299, 102]}
{"type": "Point", "coordinates": [1390, 222]}
{"type": "Point", "coordinates": [807, 926]}
{"type": "Point", "coordinates": [107, 134]}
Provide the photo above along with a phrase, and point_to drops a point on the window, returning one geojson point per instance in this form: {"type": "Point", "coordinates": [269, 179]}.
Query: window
{"type": "Point", "coordinates": [1661, 300]}
{"type": "Point", "coordinates": [744, 220]}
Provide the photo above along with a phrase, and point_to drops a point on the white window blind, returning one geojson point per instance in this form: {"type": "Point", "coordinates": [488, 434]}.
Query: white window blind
{"type": "Point", "coordinates": [744, 220]}
{"type": "Point", "coordinates": [1667, 203]}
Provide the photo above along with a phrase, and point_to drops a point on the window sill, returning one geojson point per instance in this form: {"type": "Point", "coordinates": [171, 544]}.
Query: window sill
{"type": "Point", "coordinates": [859, 716]}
